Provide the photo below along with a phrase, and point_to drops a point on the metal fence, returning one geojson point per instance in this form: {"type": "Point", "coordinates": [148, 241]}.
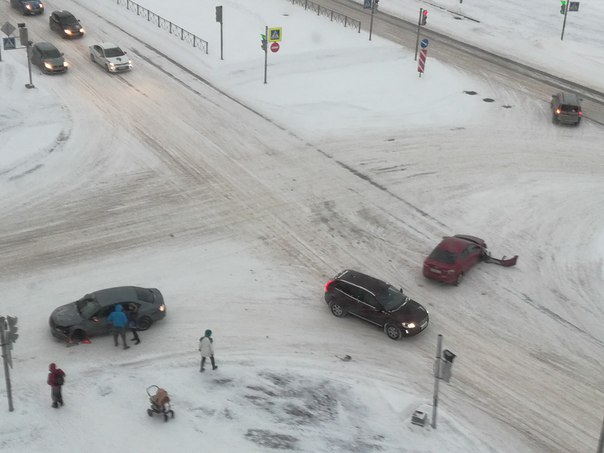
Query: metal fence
{"type": "Point", "coordinates": [165, 24]}
{"type": "Point", "coordinates": [333, 16]}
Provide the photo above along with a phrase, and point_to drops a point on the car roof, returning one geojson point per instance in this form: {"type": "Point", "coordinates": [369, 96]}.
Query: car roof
{"type": "Point", "coordinates": [458, 243]}
{"type": "Point", "coordinates": [63, 14]}
{"type": "Point", "coordinates": [358, 278]}
{"type": "Point", "coordinates": [107, 45]}
{"type": "Point", "coordinates": [45, 46]}
{"type": "Point", "coordinates": [568, 98]}
{"type": "Point", "coordinates": [110, 296]}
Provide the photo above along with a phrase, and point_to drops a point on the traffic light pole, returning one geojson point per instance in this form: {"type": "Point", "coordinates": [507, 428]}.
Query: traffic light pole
{"type": "Point", "coordinates": [265, 52]}
{"type": "Point", "coordinates": [5, 352]}
{"type": "Point", "coordinates": [373, 2]}
{"type": "Point", "coordinates": [566, 7]}
{"type": "Point", "coordinates": [419, 24]}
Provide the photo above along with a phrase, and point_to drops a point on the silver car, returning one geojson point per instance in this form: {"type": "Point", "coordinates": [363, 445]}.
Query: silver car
{"type": "Point", "coordinates": [87, 316]}
{"type": "Point", "coordinates": [110, 56]}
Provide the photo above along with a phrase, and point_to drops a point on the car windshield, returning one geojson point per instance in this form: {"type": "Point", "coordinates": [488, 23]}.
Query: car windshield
{"type": "Point", "coordinates": [114, 52]}
{"type": "Point", "coordinates": [443, 256]}
{"type": "Point", "coordinates": [69, 20]}
{"type": "Point", "coordinates": [393, 299]}
{"type": "Point", "coordinates": [52, 53]}
{"type": "Point", "coordinates": [87, 306]}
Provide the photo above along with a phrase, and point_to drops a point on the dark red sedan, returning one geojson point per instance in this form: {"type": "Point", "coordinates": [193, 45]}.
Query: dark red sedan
{"type": "Point", "coordinates": [455, 255]}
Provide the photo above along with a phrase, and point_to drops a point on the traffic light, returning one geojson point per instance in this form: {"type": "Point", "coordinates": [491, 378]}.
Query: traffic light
{"type": "Point", "coordinates": [263, 42]}
{"type": "Point", "coordinates": [12, 329]}
{"type": "Point", "coordinates": [562, 7]}
{"type": "Point", "coordinates": [425, 17]}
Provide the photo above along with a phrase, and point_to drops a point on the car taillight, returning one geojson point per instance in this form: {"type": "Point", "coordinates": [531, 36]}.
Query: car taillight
{"type": "Point", "coordinates": [580, 113]}
{"type": "Point", "coordinates": [327, 285]}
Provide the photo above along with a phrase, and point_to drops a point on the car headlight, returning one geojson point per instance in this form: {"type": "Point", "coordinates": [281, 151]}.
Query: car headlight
{"type": "Point", "coordinates": [162, 308]}
{"type": "Point", "coordinates": [451, 271]}
{"type": "Point", "coordinates": [28, 7]}
{"type": "Point", "coordinates": [65, 64]}
{"type": "Point", "coordinates": [409, 325]}
{"type": "Point", "coordinates": [112, 65]}
{"type": "Point", "coordinates": [81, 30]}
{"type": "Point", "coordinates": [67, 32]}
{"type": "Point", "coordinates": [47, 65]}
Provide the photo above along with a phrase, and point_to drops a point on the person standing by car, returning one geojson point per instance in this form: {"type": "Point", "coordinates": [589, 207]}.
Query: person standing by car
{"type": "Point", "coordinates": [119, 322]}
{"type": "Point", "coordinates": [132, 325]}
{"type": "Point", "coordinates": [206, 348]}
{"type": "Point", "coordinates": [56, 379]}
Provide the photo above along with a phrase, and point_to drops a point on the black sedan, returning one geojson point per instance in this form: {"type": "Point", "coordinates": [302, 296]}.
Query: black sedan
{"type": "Point", "coordinates": [375, 301]}
{"type": "Point", "coordinates": [88, 316]}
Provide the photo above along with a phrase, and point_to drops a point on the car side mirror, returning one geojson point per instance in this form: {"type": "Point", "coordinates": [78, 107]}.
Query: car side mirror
{"type": "Point", "coordinates": [95, 319]}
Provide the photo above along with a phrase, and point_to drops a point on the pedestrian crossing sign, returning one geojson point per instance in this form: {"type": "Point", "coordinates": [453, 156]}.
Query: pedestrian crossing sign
{"type": "Point", "coordinates": [275, 34]}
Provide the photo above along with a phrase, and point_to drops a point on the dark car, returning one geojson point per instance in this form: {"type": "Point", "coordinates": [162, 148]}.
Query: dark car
{"type": "Point", "coordinates": [48, 58]}
{"type": "Point", "coordinates": [28, 7]}
{"type": "Point", "coordinates": [351, 292]}
{"type": "Point", "coordinates": [64, 23]}
{"type": "Point", "coordinates": [566, 108]}
{"type": "Point", "coordinates": [455, 255]}
{"type": "Point", "coordinates": [88, 316]}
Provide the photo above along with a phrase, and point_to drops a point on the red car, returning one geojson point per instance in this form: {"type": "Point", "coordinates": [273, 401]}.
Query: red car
{"type": "Point", "coordinates": [455, 255]}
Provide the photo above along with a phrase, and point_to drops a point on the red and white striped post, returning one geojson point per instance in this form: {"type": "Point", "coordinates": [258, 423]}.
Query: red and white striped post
{"type": "Point", "coordinates": [421, 64]}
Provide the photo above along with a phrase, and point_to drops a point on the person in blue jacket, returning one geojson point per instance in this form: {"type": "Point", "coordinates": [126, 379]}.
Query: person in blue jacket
{"type": "Point", "coordinates": [119, 322]}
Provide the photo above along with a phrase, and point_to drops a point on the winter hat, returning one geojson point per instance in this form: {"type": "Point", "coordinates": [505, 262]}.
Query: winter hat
{"type": "Point", "coordinates": [52, 367]}
{"type": "Point", "coordinates": [118, 307]}
{"type": "Point", "coordinates": [208, 333]}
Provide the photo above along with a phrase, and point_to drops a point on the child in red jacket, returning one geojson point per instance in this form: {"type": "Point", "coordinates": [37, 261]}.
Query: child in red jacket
{"type": "Point", "coordinates": [56, 379]}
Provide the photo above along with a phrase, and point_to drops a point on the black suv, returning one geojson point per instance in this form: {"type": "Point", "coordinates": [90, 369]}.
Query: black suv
{"type": "Point", "coordinates": [28, 7]}
{"type": "Point", "coordinates": [66, 24]}
{"type": "Point", "coordinates": [566, 108]}
{"type": "Point", "coordinates": [351, 292]}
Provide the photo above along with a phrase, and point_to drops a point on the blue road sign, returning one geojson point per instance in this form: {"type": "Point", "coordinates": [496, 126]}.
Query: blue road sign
{"type": "Point", "coordinates": [9, 43]}
{"type": "Point", "coordinates": [424, 43]}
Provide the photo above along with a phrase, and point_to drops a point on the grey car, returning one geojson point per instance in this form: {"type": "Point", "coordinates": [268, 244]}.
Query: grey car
{"type": "Point", "coordinates": [566, 108]}
{"type": "Point", "coordinates": [48, 58]}
{"type": "Point", "coordinates": [87, 316]}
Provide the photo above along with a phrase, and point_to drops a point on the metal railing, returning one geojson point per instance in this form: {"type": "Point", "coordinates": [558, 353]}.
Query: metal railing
{"type": "Point", "coordinates": [333, 15]}
{"type": "Point", "coordinates": [165, 24]}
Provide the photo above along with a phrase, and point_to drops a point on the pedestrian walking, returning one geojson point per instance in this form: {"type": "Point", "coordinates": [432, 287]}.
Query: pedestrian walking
{"type": "Point", "coordinates": [56, 379]}
{"type": "Point", "coordinates": [132, 322]}
{"type": "Point", "coordinates": [206, 348]}
{"type": "Point", "coordinates": [119, 322]}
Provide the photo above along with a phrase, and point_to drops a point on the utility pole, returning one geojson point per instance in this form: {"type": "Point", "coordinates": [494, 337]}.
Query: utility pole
{"type": "Point", "coordinates": [5, 339]}
{"type": "Point", "coordinates": [265, 47]}
{"type": "Point", "coordinates": [373, 5]}
{"type": "Point", "coordinates": [601, 443]}
{"type": "Point", "coordinates": [439, 346]}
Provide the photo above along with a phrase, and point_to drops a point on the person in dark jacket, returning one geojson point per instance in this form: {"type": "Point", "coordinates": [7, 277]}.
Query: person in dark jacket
{"type": "Point", "coordinates": [119, 322]}
{"type": "Point", "coordinates": [56, 379]}
{"type": "Point", "coordinates": [206, 348]}
{"type": "Point", "coordinates": [132, 314]}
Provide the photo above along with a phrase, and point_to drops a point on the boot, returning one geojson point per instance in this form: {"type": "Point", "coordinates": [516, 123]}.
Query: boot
{"type": "Point", "coordinates": [137, 341]}
{"type": "Point", "coordinates": [126, 346]}
{"type": "Point", "coordinates": [55, 405]}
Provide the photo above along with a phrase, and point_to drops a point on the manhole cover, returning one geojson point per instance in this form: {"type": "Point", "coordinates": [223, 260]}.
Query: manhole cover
{"type": "Point", "coordinates": [471, 93]}
{"type": "Point", "coordinates": [488, 100]}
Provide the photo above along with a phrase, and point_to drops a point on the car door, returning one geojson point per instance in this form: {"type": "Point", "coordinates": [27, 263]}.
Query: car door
{"type": "Point", "coordinates": [98, 324]}
{"type": "Point", "coordinates": [371, 310]}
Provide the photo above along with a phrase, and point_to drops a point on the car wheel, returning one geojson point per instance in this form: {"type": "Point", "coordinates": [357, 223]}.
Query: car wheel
{"type": "Point", "coordinates": [393, 331]}
{"type": "Point", "coordinates": [143, 323]}
{"type": "Point", "coordinates": [78, 335]}
{"type": "Point", "coordinates": [149, 412]}
{"type": "Point", "coordinates": [459, 279]}
{"type": "Point", "coordinates": [337, 309]}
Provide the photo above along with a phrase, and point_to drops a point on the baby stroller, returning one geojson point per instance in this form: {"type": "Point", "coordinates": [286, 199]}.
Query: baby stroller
{"type": "Point", "coordinates": [160, 402]}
